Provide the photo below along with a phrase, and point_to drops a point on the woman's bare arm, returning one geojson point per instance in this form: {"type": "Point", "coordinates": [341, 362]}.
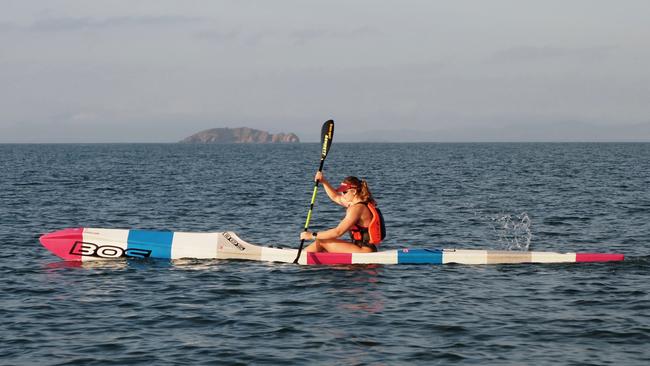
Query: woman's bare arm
{"type": "Point", "coordinates": [329, 189]}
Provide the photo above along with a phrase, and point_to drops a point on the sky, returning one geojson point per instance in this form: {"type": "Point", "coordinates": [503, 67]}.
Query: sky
{"type": "Point", "coordinates": [403, 71]}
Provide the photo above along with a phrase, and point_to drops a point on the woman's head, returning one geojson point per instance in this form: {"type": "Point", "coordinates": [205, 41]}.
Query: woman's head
{"type": "Point", "coordinates": [356, 187]}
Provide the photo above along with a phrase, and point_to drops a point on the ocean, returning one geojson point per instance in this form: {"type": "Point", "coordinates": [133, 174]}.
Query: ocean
{"type": "Point", "coordinates": [564, 197]}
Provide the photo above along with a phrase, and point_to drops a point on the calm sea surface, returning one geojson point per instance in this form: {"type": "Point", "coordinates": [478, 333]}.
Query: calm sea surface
{"type": "Point", "coordinates": [547, 197]}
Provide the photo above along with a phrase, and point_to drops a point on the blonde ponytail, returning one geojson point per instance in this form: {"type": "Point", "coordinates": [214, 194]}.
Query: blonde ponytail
{"type": "Point", "coordinates": [363, 191]}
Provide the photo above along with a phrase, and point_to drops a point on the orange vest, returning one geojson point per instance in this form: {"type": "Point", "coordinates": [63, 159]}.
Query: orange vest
{"type": "Point", "coordinates": [375, 232]}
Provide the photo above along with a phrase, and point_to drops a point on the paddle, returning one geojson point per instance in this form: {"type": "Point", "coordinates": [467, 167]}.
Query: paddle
{"type": "Point", "coordinates": [326, 134]}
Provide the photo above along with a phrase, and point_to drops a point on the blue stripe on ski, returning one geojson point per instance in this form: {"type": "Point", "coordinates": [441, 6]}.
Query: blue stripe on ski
{"type": "Point", "coordinates": [419, 256]}
{"type": "Point", "coordinates": [159, 242]}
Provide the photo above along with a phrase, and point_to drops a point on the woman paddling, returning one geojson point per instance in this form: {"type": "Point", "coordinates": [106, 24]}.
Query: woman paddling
{"type": "Point", "coordinates": [362, 220]}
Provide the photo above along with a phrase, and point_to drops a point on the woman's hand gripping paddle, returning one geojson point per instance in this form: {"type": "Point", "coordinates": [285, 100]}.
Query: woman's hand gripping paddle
{"type": "Point", "coordinates": [326, 135]}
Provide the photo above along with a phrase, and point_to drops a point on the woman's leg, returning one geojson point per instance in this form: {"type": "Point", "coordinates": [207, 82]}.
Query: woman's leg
{"type": "Point", "coordinates": [336, 246]}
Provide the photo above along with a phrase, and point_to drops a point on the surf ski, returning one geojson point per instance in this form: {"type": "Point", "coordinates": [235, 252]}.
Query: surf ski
{"type": "Point", "coordinates": [92, 244]}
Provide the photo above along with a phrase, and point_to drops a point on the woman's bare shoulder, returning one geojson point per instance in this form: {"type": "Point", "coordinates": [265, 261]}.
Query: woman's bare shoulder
{"type": "Point", "coordinates": [357, 208]}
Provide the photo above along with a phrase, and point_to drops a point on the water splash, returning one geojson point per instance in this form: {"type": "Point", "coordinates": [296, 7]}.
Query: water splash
{"type": "Point", "coordinates": [513, 231]}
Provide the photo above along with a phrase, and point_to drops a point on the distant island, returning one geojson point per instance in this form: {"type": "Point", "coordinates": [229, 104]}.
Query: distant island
{"type": "Point", "coordinates": [240, 135]}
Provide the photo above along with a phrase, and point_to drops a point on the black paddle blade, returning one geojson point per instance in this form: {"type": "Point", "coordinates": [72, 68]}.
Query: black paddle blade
{"type": "Point", "coordinates": [326, 135]}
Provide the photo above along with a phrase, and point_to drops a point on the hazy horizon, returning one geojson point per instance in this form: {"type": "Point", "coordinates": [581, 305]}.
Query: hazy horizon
{"type": "Point", "coordinates": [569, 133]}
{"type": "Point", "coordinates": [417, 71]}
